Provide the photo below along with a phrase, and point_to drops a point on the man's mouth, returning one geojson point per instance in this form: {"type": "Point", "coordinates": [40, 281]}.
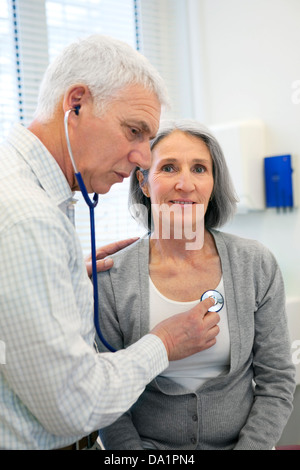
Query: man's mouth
{"type": "Point", "coordinates": [122, 175]}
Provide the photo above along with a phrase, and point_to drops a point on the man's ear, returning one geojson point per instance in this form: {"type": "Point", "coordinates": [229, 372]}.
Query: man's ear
{"type": "Point", "coordinates": [77, 95]}
{"type": "Point", "coordinates": [143, 185]}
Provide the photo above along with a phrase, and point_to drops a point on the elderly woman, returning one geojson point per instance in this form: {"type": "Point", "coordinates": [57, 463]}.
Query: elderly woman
{"type": "Point", "coordinates": [238, 393]}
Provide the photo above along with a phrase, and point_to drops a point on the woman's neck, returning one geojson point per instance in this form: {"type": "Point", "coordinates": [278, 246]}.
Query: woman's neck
{"type": "Point", "coordinates": [163, 250]}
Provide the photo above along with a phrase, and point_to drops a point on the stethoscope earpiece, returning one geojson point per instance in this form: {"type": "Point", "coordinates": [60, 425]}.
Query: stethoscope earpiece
{"type": "Point", "coordinates": [76, 109]}
{"type": "Point", "coordinates": [217, 297]}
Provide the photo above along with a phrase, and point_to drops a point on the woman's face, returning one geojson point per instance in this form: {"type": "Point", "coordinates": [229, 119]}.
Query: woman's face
{"type": "Point", "coordinates": [181, 173]}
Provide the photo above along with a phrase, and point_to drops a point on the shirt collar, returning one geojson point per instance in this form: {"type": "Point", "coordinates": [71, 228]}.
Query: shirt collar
{"type": "Point", "coordinates": [42, 163]}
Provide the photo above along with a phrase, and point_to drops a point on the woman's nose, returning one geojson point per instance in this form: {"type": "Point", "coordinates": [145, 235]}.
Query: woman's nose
{"type": "Point", "coordinates": [185, 182]}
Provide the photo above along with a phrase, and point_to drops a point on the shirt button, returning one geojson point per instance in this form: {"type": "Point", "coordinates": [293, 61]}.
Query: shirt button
{"type": "Point", "coordinates": [193, 440]}
{"type": "Point", "coordinates": [195, 418]}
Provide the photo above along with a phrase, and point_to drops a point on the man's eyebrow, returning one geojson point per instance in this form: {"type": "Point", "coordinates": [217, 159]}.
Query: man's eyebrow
{"type": "Point", "coordinates": [144, 126]}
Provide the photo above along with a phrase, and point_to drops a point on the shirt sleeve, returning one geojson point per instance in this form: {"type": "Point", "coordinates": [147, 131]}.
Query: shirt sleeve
{"type": "Point", "coordinates": [46, 324]}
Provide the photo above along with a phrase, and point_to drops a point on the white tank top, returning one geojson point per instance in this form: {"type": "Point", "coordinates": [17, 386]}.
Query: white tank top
{"type": "Point", "coordinates": [193, 371]}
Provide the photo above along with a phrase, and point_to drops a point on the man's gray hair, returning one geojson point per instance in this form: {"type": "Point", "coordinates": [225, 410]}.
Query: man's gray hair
{"type": "Point", "coordinates": [222, 205]}
{"type": "Point", "coordinates": [105, 65]}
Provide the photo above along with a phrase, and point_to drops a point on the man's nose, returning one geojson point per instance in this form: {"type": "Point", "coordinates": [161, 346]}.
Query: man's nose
{"type": "Point", "coordinates": [141, 156]}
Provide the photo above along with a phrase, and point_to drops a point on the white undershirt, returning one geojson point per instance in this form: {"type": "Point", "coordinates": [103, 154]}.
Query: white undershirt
{"type": "Point", "coordinates": [195, 370]}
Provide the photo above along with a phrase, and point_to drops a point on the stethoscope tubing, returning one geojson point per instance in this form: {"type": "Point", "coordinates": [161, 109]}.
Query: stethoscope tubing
{"type": "Point", "coordinates": [91, 204]}
{"type": "Point", "coordinates": [95, 280]}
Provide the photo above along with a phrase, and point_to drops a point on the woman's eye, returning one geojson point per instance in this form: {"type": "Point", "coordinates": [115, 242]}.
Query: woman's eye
{"type": "Point", "coordinates": [199, 169]}
{"type": "Point", "coordinates": [168, 168]}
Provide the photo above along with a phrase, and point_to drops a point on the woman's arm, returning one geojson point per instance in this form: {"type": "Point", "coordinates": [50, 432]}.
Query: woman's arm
{"type": "Point", "coordinates": [272, 364]}
{"type": "Point", "coordinates": [122, 434]}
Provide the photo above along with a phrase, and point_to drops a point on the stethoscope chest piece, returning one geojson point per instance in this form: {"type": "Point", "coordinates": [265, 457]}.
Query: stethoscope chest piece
{"type": "Point", "coordinates": [217, 297]}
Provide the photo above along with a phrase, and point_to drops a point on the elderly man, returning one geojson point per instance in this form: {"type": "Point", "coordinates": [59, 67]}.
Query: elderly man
{"type": "Point", "coordinates": [54, 388]}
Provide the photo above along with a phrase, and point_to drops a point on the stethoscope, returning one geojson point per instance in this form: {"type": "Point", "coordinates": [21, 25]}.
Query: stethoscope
{"type": "Point", "coordinates": [217, 298]}
{"type": "Point", "coordinates": [91, 204]}
{"type": "Point", "coordinates": [215, 295]}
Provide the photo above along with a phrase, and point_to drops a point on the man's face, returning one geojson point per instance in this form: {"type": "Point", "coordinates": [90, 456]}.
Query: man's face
{"type": "Point", "coordinates": [110, 146]}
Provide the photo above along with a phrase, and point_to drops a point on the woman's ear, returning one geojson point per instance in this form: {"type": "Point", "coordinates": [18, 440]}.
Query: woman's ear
{"type": "Point", "coordinates": [143, 185]}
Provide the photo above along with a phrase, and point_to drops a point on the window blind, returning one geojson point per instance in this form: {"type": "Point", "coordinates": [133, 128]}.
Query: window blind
{"type": "Point", "coordinates": [68, 20]}
{"type": "Point", "coordinates": [31, 53]}
{"type": "Point", "coordinates": [8, 85]}
{"type": "Point", "coordinates": [165, 42]}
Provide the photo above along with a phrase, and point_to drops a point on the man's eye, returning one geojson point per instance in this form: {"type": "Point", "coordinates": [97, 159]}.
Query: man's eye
{"type": "Point", "coordinates": [134, 131]}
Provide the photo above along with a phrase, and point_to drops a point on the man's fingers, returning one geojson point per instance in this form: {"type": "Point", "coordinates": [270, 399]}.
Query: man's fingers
{"type": "Point", "coordinates": [104, 264]}
{"type": "Point", "coordinates": [204, 305]}
{"type": "Point", "coordinates": [212, 333]}
{"type": "Point", "coordinates": [101, 265]}
{"type": "Point", "coordinates": [211, 319]}
{"type": "Point", "coordinates": [209, 343]}
{"type": "Point", "coordinates": [114, 247]}
{"type": "Point", "coordinates": [104, 251]}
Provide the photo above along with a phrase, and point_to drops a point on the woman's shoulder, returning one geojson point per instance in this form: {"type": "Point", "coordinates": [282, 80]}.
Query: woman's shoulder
{"type": "Point", "coordinates": [241, 246]}
{"type": "Point", "coordinates": [245, 257]}
{"type": "Point", "coordinates": [131, 253]}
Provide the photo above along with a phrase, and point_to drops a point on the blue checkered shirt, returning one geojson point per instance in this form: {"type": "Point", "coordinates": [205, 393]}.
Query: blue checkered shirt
{"type": "Point", "coordinates": [54, 387]}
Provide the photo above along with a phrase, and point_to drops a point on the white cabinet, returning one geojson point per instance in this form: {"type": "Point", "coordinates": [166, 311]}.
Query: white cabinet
{"type": "Point", "coordinates": [244, 147]}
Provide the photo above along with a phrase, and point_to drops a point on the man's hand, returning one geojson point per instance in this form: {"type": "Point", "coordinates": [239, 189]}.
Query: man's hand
{"type": "Point", "coordinates": [187, 333]}
{"type": "Point", "coordinates": [104, 251]}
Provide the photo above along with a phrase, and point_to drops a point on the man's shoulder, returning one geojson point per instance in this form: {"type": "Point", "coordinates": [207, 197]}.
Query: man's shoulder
{"type": "Point", "coordinates": [23, 201]}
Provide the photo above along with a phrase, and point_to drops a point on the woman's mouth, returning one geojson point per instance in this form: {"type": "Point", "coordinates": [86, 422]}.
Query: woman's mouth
{"type": "Point", "coordinates": [183, 202]}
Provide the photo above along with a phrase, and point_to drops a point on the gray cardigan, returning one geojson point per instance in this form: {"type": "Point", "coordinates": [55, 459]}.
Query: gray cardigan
{"type": "Point", "coordinates": [227, 412]}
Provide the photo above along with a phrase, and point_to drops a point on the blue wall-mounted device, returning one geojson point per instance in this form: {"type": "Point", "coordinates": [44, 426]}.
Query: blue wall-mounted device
{"type": "Point", "coordinates": [278, 182]}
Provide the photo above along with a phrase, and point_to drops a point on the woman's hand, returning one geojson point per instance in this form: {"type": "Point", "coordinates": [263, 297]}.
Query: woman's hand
{"type": "Point", "coordinates": [104, 263]}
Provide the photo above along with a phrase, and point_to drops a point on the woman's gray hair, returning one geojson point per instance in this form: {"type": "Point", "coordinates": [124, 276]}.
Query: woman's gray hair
{"type": "Point", "coordinates": [222, 205]}
{"type": "Point", "coordinates": [105, 65]}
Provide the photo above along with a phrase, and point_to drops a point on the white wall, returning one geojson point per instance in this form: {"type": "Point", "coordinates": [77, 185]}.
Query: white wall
{"type": "Point", "coordinates": [246, 63]}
